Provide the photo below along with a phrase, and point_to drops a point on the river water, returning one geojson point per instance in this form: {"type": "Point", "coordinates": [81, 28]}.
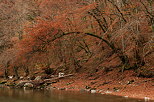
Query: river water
{"type": "Point", "coordinates": [20, 95]}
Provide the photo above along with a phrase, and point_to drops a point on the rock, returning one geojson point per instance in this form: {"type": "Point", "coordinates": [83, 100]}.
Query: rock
{"type": "Point", "coordinates": [87, 90]}
{"type": "Point", "coordinates": [40, 87]}
{"type": "Point", "coordinates": [108, 92]}
{"type": "Point", "coordinates": [100, 91]}
{"type": "Point", "coordinates": [130, 82]}
{"type": "Point", "coordinates": [48, 83]}
{"type": "Point", "coordinates": [38, 78]}
{"type": "Point", "coordinates": [126, 96]}
{"type": "Point", "coordinates": [21, 77]}
{"type": "Point", "coordinates": [62, 88]}
{"type": "Point", "coordinates": [10, 84]}
{"type": "Point", "coordinates": [49, 88]}
{"type": "Point", "coordinates": [70, 83]}
{"type": "Point", "coordinates": [60, 74]}
{"type": "Point", "coordinates": [10, 77]}
{"type": "Point", "coordinates": [116, 89]}
{"type": "Point", "coordinates": [3, 82]}
{"type": "Point", "coordinates": [93, 91]}
{"type": "Point", "coordinates": [146, 99]}
{"type": "Point", "coordinates": [87, 87]}
{"type": "Point", "coordinates": [28, 85]}
{"type": "Point", "coordinates": [21, 83]}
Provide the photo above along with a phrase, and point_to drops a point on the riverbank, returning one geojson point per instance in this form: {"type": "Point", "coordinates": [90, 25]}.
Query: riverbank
{"type": "Point", "coordinates": [123, 84]}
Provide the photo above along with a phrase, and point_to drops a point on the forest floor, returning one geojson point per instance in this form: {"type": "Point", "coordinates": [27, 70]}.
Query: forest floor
{"type": "Point", "coordinates": [121, 84]}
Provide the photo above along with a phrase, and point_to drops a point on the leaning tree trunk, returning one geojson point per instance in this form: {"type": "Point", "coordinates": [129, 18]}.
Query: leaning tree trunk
{"type": "Point", "coordinates": [123, 57]}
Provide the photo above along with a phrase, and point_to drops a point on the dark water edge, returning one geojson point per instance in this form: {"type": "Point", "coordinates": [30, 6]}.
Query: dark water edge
{"type": "Point", "coordinates": [21, 95]}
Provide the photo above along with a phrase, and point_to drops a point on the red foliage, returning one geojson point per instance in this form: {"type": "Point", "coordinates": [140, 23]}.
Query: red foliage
{"type": "Point", "coordinates": [38, 37]}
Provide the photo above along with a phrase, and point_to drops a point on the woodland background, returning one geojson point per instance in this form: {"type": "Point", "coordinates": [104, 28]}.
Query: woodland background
{"type": "Point", "coordinates": [76, 36]}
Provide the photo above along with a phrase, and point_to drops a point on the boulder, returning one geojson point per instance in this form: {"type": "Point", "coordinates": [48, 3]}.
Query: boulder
{"type": "Point", "coordinates": [28, 85]}
{"type": "Point", "coordinates": [21, 83]}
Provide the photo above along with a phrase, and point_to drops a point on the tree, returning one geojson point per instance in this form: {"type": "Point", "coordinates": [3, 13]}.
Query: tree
{"type": "Point", "coordinates": [106, 25]}
{"type": "Point", "coordinates": [66, 32]}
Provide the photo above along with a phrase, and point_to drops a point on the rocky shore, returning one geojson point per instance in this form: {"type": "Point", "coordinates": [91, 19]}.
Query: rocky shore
{"type": "Point", "coordinates": [133, 87]}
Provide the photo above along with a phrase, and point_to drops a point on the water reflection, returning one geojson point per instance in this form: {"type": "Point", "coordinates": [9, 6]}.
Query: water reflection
{"type": "Point", "coordinates": [21, 95]}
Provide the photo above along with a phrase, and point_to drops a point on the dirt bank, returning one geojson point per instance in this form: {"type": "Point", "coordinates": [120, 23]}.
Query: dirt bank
{"type": "Point", "coordinates": [125, 84]}
{"type": "Point", "coordinates": [121, 84]}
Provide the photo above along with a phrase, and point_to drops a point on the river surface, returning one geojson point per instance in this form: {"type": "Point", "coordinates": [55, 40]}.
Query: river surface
{"type": "Point", "coordinates": [20, 95]}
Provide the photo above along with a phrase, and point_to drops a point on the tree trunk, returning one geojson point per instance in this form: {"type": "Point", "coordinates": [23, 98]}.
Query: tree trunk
{"type": "Point", "coordinates": [6, 73]}
{"type": "Point", "coordinates": [16, 72]}
{"type": "Point", "coordinates": [6, 70]}
{"type": "Point", "coordinates": [26, 70]}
